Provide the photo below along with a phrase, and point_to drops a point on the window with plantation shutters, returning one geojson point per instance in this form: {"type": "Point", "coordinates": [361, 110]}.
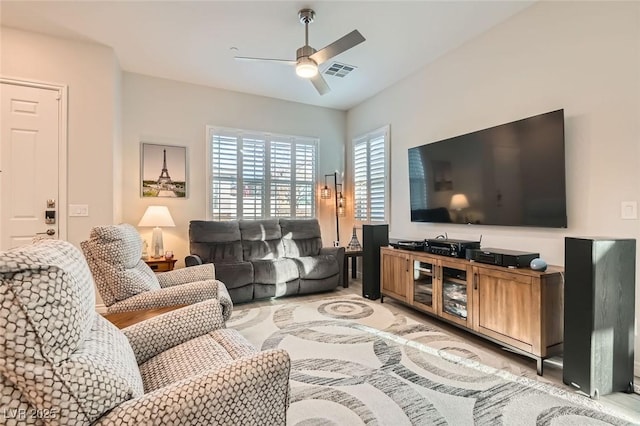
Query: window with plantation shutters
{"type": "Point", "coordinates": [257, 175]}
{"type": "Point", "coordinates": [370, 175]}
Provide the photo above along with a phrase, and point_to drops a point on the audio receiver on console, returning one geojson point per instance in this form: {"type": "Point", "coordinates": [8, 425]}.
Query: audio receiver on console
{"type": "Point", "coordinates": [501, 257]}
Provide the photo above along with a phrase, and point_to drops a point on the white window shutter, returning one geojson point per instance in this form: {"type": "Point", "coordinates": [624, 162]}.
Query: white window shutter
{"type": "Point", "coordinates": [281, 183]}
{"type": "Point", "coordinates": [361, 180]}
{"type": "Point", "coordinates": [259, 175]}
{"type": "Point", "coordinates": [370, 172]}
{"type": "Point", "coordinates": [305, 180]}
{"type": "Point", "coordinates": [224, 168]}
{"type": "Point", "coordinates": [377, 179]}
{"type": "Point", "coordinates": [253, 177]}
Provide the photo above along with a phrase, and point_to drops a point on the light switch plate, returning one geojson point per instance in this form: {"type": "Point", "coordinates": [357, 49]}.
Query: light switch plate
{"type": "Point", "coordinates": [629, 210]}
{"type": "Point", "coordinates": [78, 210]}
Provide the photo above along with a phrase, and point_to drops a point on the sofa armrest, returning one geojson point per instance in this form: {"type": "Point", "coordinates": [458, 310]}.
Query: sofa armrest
{"type": "Point", "coordinates": [184, 294]}
{"type": "Point", "coordinates": [250, 390]}
{"type": "Point", "coordinates": [150, 337]}
{"type": "Point", "coordinates": [225, 301]}
{"type": "Point", "coordinates": [338, 252]}
{"type": "Point", "coordinates": [193, 260]}
{"type": "Point", "coordinates": [187, 275]}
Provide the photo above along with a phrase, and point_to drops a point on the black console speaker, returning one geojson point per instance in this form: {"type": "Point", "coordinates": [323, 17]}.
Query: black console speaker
{"type": "Point", "coordinates": [373, 237]}
{"type": "Point", "coordinates": [599, 297]}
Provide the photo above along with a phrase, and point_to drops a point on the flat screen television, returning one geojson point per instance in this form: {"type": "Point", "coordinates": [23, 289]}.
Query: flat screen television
{"type": "Point", "coordinates": [512, 174]}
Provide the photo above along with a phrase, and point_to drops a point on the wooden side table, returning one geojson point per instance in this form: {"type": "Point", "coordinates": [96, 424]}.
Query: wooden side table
{"type": "Point", "coordinates": [161, 264]}
{"type": "Point", "coordinates": [125, 319]}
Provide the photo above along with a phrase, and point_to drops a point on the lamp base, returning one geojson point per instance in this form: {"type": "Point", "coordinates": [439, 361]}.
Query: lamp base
{"type": "Point", "coordinates": [157, 248]}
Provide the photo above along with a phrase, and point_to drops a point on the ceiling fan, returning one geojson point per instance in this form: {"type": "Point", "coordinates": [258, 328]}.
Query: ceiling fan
{"type": "Point", "coordinates": [308, 58]}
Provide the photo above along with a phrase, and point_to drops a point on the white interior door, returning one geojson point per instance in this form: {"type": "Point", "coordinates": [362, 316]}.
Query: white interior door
{"type": "Point", "coordinates": [31, 148]}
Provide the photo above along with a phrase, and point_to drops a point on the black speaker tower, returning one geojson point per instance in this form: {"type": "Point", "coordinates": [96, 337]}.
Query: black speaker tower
{"type": "Point", "coordinates": [373, 237]}
{"type": "Point", "coordinates": [599, 298]}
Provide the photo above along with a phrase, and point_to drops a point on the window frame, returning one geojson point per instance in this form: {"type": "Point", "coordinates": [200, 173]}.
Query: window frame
{"type": "Point", "coordinates": [384, 131]}
{"type": "Point", "coordinates": [268, 137]}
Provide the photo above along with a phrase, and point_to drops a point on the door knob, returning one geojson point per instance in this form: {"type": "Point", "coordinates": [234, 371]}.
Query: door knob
{"type": "Point", "coordinates": [49, 232]}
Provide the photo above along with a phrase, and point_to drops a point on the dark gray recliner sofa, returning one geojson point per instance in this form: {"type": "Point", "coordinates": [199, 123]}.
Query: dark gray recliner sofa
{"type": "Point", "coordinates": [258, 259]}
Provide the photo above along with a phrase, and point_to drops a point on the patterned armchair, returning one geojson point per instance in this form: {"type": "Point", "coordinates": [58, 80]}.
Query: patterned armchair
{"type": "Point", "coordinates": [127, 283]}
{"type": "Point", "coordinates": [63, 364]}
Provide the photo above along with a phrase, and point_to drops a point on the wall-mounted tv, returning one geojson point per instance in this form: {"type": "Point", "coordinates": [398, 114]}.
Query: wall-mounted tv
{"type": "Point", "coordinates": [512, 174]}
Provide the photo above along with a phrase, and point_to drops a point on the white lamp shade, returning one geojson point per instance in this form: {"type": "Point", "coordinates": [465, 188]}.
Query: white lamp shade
{"type": "Point", "coordinates": [459, 202]}
{"type": "Point", "coordinates": [157, 216]}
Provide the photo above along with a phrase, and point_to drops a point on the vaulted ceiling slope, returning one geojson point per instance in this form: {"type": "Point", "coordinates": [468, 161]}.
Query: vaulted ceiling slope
{"type": "Point", "coordinates": [196, 41]}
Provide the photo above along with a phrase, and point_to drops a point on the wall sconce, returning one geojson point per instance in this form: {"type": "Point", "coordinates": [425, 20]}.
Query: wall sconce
{"type": "Point", "coordinates": [341, 202]}
{"type": "Point", "coordinates": [325, 193]}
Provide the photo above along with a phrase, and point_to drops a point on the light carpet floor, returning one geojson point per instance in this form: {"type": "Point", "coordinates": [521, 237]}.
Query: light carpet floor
{"type": "Point", "coordinates": [356, 362]}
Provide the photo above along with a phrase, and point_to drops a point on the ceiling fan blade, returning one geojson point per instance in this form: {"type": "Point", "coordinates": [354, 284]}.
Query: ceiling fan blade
{"type": "Point", "coordinates": [320, 84]}
{"type": "Point", "coordinates": [337, 47]}
{"type": "Point", "coordinates": [247, 58]}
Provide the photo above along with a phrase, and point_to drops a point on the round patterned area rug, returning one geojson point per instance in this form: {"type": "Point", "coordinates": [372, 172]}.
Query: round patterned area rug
{"type": "Point", "coordinates": [355, 362]}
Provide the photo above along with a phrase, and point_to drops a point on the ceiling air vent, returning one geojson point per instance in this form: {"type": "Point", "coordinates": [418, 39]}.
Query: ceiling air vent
{"type": "Point", "coordinates": [336, 69]}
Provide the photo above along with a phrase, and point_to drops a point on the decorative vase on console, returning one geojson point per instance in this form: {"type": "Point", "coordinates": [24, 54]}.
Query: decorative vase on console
{"type": "Point", "coordinates": [354, 244]}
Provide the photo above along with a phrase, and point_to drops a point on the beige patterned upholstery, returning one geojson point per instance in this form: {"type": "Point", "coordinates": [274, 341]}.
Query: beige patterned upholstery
{"type": "Point", "coordinates": [63, 364]}
{"type": "Point", "coordinates": [127, 283]}
{"type": "Point", "coordinates": [55, 351]}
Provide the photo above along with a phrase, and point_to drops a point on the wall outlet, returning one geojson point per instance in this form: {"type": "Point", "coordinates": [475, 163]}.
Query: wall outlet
{"type": "Point", "coordinates": [78, 210]}
{"type": "Point", "coordinates": [629, 210]}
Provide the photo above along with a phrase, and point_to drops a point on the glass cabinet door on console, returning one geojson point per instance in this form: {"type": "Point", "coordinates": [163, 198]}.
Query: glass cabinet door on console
{"type": "Point", "coordinates": [455, 301]}
{"type": "Point", "coordinates": [424, 285]}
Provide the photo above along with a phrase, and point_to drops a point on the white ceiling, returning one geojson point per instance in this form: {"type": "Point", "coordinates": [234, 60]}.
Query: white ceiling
{"type": "Point", "coordinates": [191, 40]}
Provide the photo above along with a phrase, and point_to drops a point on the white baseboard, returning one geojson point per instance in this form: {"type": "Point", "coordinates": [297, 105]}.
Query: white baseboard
{"type": "Point", "coordinates": [101, 309]}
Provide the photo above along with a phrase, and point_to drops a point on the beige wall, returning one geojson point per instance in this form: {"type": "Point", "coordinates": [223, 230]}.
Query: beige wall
{"type": "Point", "coordinates": [91, 73]}
{"type": "Point", "coordinates": [174, 113]}
{"type": "Point", "coordinates": [580, 56]}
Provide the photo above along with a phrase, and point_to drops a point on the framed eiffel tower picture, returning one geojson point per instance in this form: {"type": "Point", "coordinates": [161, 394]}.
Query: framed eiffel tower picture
{"type": "Point", "coordinates": [163, 171]}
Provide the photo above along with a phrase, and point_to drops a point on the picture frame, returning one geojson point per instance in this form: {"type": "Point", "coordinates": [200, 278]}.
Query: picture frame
{"type": "Point", "coordinates": [163, 171]}
{"type": "Point", "coordinates": [442, 176]}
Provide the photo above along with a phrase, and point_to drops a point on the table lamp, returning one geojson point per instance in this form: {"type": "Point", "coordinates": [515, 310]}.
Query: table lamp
{"type": "Point", "coordinates": [157, 216]}
{"type": "Point", "coordinates": [459, 202]}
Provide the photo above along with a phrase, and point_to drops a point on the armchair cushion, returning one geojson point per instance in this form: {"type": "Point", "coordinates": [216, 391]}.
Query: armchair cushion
{"type": "Point", "coordinates": [155, 335]}
{"type": "Point", "coordinates": [235, 275]}
{"type": "Point", "coordinates": [317, 267]}
{"type": "Point", "coordinates": [252, 390]}
{"type": "Point", "coordinates": [54, 349]}
{"type": "Point", "coordinates": [275, 271]}
{"type": "Point", "coordinates": [260, 230]}
{"type": "Point", "coordinates": [263, 250]}
{"type": "Point", "coordinates": [114, 254]}
{"type": "Point", "coordinates": [187, 275]}
{"type": "Point", "coordinates": [184, 294]}
{"type": "Point", "coordinates": [215, 242]}
{"type": "Point", "coordinates": [261, 239]}
{"type": "Point", "coordinates": [301, 237]}
{"type": "Point", "coordinates": [193, 357]}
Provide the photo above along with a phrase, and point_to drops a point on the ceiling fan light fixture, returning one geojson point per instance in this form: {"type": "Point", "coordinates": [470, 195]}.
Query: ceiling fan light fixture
{"type": "Point", "coordinates": [306, 68]}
